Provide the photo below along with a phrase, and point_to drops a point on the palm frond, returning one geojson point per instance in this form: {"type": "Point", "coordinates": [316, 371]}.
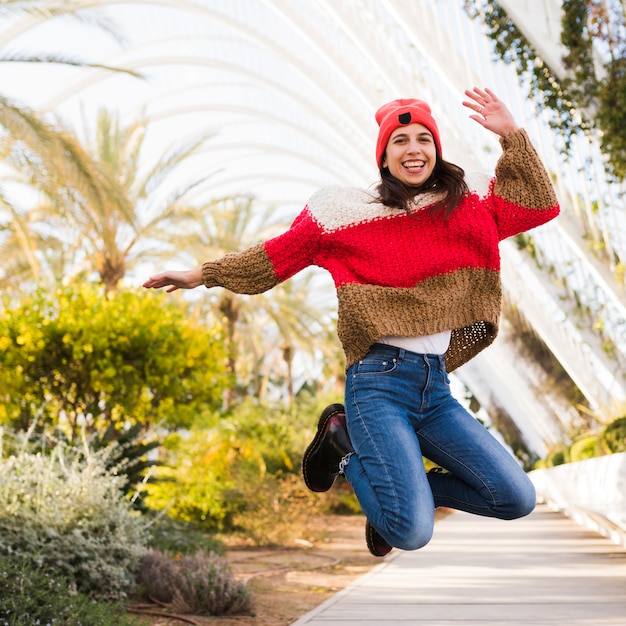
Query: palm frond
{"type": "Point", "coordinates": [61, 60]}
{"type": "Point", "coordinates": [172, 159]}
{"type": "Point", "coordinates": [62, 167]}
{"type": "Point", "coordinates": [71, 9]}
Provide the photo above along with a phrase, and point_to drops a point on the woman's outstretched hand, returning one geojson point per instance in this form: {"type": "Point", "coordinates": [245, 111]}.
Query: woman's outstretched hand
{"type": "Point", "coordinates": [184, 279]}
{"type": "Point", "coordinates": [492, 114]}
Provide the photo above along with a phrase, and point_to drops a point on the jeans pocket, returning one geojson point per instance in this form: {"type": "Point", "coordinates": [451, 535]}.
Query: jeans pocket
{"type": "Point", "coordinates": [375, 366]}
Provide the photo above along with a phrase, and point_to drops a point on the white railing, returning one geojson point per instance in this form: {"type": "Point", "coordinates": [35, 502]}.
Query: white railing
{"type": "Point", "coordinates": [591, 492]}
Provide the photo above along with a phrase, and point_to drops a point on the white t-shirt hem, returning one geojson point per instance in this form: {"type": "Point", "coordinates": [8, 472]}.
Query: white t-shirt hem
{"type": "Point", "coordinates": [426, 344]}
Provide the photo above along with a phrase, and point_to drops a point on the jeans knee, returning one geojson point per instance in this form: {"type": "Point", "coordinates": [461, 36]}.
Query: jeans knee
{"type": "Point", "coordinates": [411, 536]}
{"type": "Point", "coordinates": [521, 501]}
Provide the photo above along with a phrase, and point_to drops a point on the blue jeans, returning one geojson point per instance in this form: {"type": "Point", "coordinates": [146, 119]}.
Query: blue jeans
{"type": "Point", "coordinates": [398, 408]}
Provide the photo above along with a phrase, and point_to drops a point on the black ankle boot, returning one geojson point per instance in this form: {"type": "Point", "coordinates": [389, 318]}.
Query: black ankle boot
{"type": "Point", "coordinates": [320, 464]}
{"type": "Point", "coordinates": [375, 543]}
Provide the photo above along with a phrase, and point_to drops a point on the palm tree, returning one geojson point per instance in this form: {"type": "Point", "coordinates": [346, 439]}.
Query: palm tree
{"type": "Point", "coordinates": [46, 159]}
{"type": "Point", "coordinates": [265, 330]}
{"type": "Point", "coordinates": [98, 214]}
{"type": "Point", "coordinates": [136, 221]}
{"type": "Point", "coordinates": [43, 156]}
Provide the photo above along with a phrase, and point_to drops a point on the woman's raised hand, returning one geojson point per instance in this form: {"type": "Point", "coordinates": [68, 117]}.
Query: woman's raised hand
{"type": "Point", "coordinates": [491, 113]}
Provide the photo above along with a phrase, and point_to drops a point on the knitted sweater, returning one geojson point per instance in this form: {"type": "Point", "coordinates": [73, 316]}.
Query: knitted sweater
{"type": "Point", "coordinates": [406, 273]}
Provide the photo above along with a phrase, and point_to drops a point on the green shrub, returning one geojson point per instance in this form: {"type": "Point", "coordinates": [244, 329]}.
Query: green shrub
{"type": "Point", "coordinates": [75, 358]}
{"type": "Point", "coordinates": [240, 475]}
{"type": "Point", "coordinates": [186, 538]}
{"type": "Point", "coordinates": [558, 456]}
{"type": "Point", "coordinates": [64, 513]}
{"type": "Point", "coordinates": [198, 585]}
{"type": "Point", "coordinates": [614, 436]}
{"type": "Point", "coordinates": [274, 509]}
{"type": "Point", "coordinates": [212, 474]}
{"type": "Point", "coordinates": [341, 499]}
{"type": "Point", "coordinates": [31, 595]}
{"type": "Point", "coordinates": [584, 448]}
{"type": "Point", "coordinates": [195, 475]}
{"type": "Point", "coordinates": [126, 453]}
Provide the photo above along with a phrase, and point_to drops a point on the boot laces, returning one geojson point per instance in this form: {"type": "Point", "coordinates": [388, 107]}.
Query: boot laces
{"type": "Point", "coordinates": [344, 461]}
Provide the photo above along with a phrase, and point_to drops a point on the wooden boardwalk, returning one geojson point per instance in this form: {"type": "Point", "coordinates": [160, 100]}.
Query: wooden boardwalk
{"type": "Point", "coordinates": [543, 570]}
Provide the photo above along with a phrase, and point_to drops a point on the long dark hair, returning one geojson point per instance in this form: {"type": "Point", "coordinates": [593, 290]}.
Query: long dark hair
{"type": "Point", "coordinates": [447, 179]}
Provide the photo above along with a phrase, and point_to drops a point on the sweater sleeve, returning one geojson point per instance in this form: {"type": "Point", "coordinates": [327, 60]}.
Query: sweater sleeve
{"type": "Point", "coordinates": [522, 194]}
{"type": "Point", "coordinates": [267, 264]}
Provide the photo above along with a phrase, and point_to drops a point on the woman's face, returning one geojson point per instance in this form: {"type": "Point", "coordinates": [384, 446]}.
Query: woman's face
{"type": "Point", "coordinates": [411, 154]}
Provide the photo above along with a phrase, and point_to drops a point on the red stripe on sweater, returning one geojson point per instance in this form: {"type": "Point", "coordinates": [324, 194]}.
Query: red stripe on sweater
{"type": "Point", "coordinates": [402, 250]}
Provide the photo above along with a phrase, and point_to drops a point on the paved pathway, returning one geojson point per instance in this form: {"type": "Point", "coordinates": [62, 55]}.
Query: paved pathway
{"type": "Point", "coordinates": [543, 570]}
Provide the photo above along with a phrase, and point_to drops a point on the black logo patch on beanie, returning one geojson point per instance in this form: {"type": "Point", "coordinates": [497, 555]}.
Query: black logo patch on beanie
{"type": "Point", "coordinates": [404, 118]}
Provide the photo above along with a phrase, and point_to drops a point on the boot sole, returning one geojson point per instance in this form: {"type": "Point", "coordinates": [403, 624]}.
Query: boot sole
{"type": "Point", "coordinates": [371, 545]}
{"type": "Point", "coordinates": [307, 473]}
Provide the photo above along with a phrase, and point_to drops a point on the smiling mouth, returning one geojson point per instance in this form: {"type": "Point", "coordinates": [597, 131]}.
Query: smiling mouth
{"type": "Point", "coordinates": [411, 165]}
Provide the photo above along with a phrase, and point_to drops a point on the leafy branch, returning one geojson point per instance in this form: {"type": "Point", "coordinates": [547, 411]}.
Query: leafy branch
{"type": "Point", "coordinates": [592, 94]}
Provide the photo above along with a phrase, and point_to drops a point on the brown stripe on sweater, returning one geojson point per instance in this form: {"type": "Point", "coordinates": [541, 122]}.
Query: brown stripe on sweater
{"type": "Point", "coordinates": [466, 301]}
{"type": "Point", "coordinates": [247, 272]}
{"type": "Point", "coordinates": [520, 175]}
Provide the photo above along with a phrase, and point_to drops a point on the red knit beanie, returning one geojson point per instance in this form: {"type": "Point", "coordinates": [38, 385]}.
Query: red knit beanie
{"type": "Point", "coordinates": [401, 113]}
